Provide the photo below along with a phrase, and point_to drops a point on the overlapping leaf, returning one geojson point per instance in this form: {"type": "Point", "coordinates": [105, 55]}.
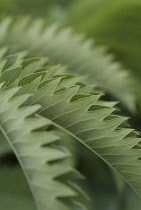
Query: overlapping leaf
{"type": "Point", "coordinates": [41, 158]}
{"type": "Point", "coordinates": [65, 48]}
{"type": "Point", "coordinates": [83, 117]}
{"type": "Point", "coordinates": [94, 126]}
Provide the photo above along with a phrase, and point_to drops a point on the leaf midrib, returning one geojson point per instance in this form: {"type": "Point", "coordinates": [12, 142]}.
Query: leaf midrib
{"type": "Point", "coordinates": [19, 160]}
{"type": "Point", "coordinates": [92, 150]}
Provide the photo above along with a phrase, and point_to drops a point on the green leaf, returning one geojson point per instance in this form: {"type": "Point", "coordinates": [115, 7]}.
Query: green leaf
{"type": "Point", "coordinates": [42, 160]}
{"type": "Point", "coordinates": [89, 124]}
{"type": "Point", "coordinates": [87, 120]}
{"type": "Point", "coordinates": [65, 48]}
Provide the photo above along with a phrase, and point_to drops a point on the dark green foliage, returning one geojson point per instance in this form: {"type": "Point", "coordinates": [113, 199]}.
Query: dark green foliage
{"type": "Point", "coordinates": [113, 23]}
{"type": "Point", "coordinates": [37, 8]}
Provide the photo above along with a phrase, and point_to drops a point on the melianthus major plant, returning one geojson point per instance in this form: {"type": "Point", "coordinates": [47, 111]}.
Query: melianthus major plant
{"type": "Point", "coordinates": [44, 107]}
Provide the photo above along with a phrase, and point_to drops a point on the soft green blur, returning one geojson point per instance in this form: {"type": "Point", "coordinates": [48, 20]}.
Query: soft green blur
{"type": "Point", "coordinates": [116, 24]}
{"type": "Point", "coordinates": [14, 191]}
{"type": "Point", "coordinates": [49, 9]}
